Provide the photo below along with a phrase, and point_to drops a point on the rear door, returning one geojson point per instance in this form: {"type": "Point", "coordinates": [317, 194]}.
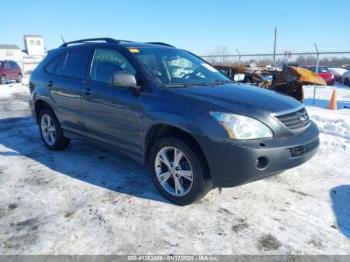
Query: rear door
{"type": "Point", "coordinates": [111, 114]}
{"type": "Point", "coordinates": [8, 71]}
{"type": "Point", "coordinates": [65, 83]}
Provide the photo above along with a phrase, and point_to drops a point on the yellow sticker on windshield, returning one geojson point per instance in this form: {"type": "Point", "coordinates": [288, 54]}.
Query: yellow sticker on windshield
{"type": "Point", "coordinates": [134, 50]}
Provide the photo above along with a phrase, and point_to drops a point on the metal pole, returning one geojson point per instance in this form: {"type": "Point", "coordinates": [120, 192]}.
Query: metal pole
{"type": "Point", "coordinates": [274, 48]}
{"type": "Point", "coordinates": [317, 64]}
{"type": "Point", "coordinates": [317, 60]}
{"type": "Point", "coordinates": [239, 57]}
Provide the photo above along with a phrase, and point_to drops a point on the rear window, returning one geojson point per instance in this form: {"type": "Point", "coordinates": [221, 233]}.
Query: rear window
{"type": "Point", "coordinates": [56, 63]}
{"type": "Point", "coordinates": [76, 63]}
{"type": "Point", "coordinates": [13, 65]}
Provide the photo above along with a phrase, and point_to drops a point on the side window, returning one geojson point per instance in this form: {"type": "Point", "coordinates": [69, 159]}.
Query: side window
{"type": "Point", "coordinates": [60, 65]}
{"type": "Point", "coordinates": [56, 65]}
{"type": "Point", "coordinates": [106, 62]}
{"type": "Point", "coordinates": [76, 63]}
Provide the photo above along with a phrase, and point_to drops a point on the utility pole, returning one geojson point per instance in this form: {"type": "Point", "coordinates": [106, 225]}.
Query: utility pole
{"type": "Point", "coordinates": [239, 57]}
{"type": "Point", "coordinates": [317, 58]}
{"type": "Point", "coordinates": [317, 64]}
{"type": "Point", "coordinates": [274, 48]}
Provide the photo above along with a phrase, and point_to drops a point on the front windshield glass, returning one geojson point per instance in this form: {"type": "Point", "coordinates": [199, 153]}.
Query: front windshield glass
{"type": "Point", "coordinates": [174, 67]}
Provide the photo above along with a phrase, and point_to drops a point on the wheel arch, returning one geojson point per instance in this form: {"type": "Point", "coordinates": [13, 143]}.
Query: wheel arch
{"type": "Point", "coordinates": [40, 105]}
{"type": "Point", "coordinates": [159, 131]}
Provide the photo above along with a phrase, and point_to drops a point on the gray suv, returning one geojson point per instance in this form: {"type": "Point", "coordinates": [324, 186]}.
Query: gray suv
{"type": "Point", "coordinates": [193, 127]}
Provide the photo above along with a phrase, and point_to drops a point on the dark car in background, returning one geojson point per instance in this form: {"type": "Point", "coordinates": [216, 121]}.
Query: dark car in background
{"type": "Point", "coordinates": [322, 72]}
{"type": "Point", "coordinates": [10, 71]}
{"type": "Point", "coordinates": [193, 127]}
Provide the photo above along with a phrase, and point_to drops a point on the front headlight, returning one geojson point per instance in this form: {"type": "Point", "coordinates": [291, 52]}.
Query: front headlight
{"type": "Point", "coordinates": [242, 127]}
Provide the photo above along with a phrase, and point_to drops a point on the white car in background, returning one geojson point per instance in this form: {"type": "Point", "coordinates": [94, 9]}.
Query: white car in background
{"type": "Point", "coordinates": [346, 78]}
{"type": "Point", "coordinates": [337, 72]}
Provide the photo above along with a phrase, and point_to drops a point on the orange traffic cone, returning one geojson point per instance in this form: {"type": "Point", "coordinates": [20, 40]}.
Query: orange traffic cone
{"type": "Point", "coordinates": [333, 102]}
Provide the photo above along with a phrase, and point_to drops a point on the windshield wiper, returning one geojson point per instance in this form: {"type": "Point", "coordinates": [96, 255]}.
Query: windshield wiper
{"type": "Point", "coordinates": [182, 85]}
{"type": "Point", "coordinates": [217, 82]}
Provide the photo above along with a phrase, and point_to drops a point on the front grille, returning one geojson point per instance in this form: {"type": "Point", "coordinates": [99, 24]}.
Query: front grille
{"type": "Point", "coordinates": [301, 150]}
{"type": "Point", "coordinates": [295, 121]}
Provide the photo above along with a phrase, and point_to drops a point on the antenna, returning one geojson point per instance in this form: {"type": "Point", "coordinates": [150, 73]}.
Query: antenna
{"type": "Point", "coordinates": [63, 40]}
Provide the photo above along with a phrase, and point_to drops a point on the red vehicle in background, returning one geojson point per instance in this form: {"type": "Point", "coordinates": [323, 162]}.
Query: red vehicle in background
{"type": "Point", "coordinates": [322, 72]}
{"type": "Point", "coordinates": [9, 71]}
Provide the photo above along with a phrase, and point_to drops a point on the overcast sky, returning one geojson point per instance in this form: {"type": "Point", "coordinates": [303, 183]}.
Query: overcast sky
{"type": "Point", "coordinates": [198, 26]}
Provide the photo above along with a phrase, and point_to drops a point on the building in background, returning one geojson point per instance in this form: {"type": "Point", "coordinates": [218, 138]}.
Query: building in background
{"type": "Point", "coordinates": [34, 45]}
{"type": "Point", "coordinates": [34, 51]}
{"type": "Point", "coordinates": [10, 52]}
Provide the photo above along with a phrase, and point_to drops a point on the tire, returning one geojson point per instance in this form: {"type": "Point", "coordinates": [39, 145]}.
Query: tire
{"type": "Point", "coordinates": [347, 82]}
{"type": "Point", "coordinates": [51, 131]}
{"type": "Point", "coordinates": [3, 80]}
{"type": "Point", "coordinates": [19, 78]}
{"type": "Point", "coordinates": [191, 160]}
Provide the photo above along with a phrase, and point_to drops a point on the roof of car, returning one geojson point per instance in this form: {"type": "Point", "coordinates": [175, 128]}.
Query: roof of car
{"type": "Point", "coordinates": [111, 41]}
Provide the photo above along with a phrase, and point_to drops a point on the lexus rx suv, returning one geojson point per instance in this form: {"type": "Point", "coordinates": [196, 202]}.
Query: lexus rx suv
{"type": "Point", "coordinates": [193, 127]}
{"type": "Point", "coordinates": [10, 71]}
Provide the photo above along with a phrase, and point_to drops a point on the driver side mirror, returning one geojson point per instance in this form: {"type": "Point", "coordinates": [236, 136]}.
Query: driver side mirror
{"type": "Point", "coordinates": [124, 79]}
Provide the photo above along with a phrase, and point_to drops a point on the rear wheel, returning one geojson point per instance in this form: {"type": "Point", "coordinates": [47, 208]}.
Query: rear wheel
{"type": "Point", "coordinates": [178, 171]}
{"type": "Point", "coordinates": [51, 131]}
{"type": "Point", "coordinates": [3, 80]}
{"type": "Point", "coordinates": [19, 78]}
{"type": "Point", "coordinates": [347, 82]}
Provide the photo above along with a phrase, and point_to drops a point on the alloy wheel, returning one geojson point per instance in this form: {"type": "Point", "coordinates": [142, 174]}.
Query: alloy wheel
{"type": "Point", "coordinates": [173, 171]}
{"type": "Point", "coordinates": [3, 80]}
{"type": "Point", "coordinates": [48, 129]}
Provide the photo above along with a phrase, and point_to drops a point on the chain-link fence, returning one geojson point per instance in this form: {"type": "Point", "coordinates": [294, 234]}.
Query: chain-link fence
{"type": "Point", "coordinates": [336, 59]}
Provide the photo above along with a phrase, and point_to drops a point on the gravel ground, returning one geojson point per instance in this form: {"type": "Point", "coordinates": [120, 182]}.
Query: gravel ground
{"type": "Point", "coordinates": [85, 200]}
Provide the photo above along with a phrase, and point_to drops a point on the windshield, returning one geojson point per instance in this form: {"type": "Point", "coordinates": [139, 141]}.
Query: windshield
{"type": "Point", "coordinates": [174, 67]}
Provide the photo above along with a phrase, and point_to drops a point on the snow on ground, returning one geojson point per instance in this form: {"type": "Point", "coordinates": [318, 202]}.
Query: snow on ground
{"type": "Point", "coordinates": [323, 95]}
{"type": "Point", "coordinates": [85, 200]}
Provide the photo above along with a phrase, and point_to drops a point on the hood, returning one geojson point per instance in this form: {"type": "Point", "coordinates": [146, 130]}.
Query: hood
{"type": "Point", "coordinates": [232, 96]}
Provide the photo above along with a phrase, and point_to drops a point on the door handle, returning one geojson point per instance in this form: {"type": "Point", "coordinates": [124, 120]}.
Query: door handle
{"type": "Point", "coordinates": [49, 84]}
{"type": "Point", "coordinates": [87, 91]}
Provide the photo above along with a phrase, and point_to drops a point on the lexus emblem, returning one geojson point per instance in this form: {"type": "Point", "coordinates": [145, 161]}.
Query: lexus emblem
{"type": "Point", "coordinates": [302, 116]}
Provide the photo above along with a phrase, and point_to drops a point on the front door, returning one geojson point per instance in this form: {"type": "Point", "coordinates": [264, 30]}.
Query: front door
{"type": "Point", "coordinates": [9, 72]}
{"type": "Point", "coordinates": [111, 114]}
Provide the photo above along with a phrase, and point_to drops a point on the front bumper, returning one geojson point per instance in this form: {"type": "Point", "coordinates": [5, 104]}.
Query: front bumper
{"type": "Point", "coordinates": [233, 163]}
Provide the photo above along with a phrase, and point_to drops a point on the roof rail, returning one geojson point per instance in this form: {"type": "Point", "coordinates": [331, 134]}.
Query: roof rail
{"type": "Point", "coordinates": [105, 39]}
{"type": "Point", "coordinates": [159, 43]}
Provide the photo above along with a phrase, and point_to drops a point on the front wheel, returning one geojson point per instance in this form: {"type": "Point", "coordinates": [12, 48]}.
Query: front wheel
{"type": "Point", "coordinates": [51, 131]}
{"type": "Point", "coordinates": [347, 82]}
{"type": "Point", "coordinates": [179, 171]}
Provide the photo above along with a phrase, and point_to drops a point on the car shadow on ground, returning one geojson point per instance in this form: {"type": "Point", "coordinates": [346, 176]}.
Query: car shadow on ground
{"type": "Point", "coordinates": [101, 168]}
{"type": "Point", "coordinates": [340, 196]}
